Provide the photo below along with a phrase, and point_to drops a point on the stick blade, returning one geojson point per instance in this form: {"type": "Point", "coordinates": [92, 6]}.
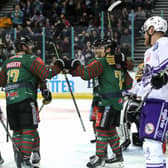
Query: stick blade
{"type": "Point", "coordinates": [113, 5]}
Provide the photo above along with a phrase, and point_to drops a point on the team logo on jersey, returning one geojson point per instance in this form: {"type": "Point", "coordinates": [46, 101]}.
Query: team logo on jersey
{"type": "Point", "coordinates": [149, 128]}
{"type": "Point", "coordinates": [120, 101]}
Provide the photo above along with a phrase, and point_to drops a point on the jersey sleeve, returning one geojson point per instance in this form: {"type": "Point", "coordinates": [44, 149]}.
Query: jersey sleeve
{"type": "Point", "coordinates": [128, 81]}
{"type": "Point", "coordinates": [92, 70]}
{"type": "Point", "coordinates": [160, 54]}
{"type": "Point", "coordinates": [38, 68]}
{"type": "Point", "coordinates": [2, 77]}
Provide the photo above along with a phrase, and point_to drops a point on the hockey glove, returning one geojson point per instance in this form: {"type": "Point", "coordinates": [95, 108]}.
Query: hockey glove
{"type": "Point", "coordinates": [74, 64]}
{"type": "Point", "coordinates": [60, 63]}
{"type": "Point", "coordinates": [134, 104]}
{"type": "Point", "coordinates": [110, 59]}
{"type": "Point", "coordinates": [120, 60]}
{"type": "Point", "coordinates": [47, 96]}
{"type": "Point", "coordinates": [159, 80]}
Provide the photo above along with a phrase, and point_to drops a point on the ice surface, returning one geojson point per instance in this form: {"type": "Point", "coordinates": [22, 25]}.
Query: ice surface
{"type": "Point", "coordinates": [64, 144]}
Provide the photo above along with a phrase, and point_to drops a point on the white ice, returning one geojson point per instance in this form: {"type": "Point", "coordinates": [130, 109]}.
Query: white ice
{"type": "Point", "coordinates": [64, 144]}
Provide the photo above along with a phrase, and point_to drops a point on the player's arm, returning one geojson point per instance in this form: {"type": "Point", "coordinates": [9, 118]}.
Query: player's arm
{"type": "Point", "coordinates": [46, 93]}
{"type": "Point", "coordinates": [2, 77]}
{"type": "Point", "coordinates": [41, 71]}
{"type": "Point", "coordinates": [92, 70]}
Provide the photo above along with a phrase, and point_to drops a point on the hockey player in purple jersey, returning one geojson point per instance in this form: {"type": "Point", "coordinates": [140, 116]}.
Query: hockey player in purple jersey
{"type": "Point", "coordinates": [153, 89]}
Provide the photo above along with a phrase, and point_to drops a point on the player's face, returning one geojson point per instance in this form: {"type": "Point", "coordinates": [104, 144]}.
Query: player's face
{"type": "Point", "coordinates": [146, 37]}
{"type": "Point", "coordinates": [29, 49]}
{"type": "Point", "coordinates": [99, 52]}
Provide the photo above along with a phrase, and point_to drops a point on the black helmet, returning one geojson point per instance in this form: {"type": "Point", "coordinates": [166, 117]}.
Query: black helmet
{"type": "Point", "coordinates": [97, 43]}
{"type": "Point", "coordinates": [108, 43]}
{"type": "Point", "coordinates": [22, 40]}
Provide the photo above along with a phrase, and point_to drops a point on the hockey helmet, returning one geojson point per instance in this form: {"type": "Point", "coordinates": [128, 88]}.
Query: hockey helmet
{"type": "Point", "coordinates": [97, 43]}
{"type": "Point", "coordinates": [159, 24]}
{"type": "Point", "coordinates": [108, 43]}
{"type": "Point", "coordinates": [23, 40]}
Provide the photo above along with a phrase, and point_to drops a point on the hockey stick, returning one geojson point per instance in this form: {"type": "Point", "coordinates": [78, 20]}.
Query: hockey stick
{"type": "Point", "coordinates": [110, 9]}
{"type": "Point", "coordinates": [19, 153]}
{"type": "Point", "coordinates": [41, 107]}
{"type": "Point", "coordinates": [73, 98]}
{"type": "Point", "coordinates": [7, 126]}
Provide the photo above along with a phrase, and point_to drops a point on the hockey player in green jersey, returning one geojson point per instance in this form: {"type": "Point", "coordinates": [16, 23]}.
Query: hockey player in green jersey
{"type": "Point", "coordinates": [113, 80]}
{"type": "Point", "coordinates": [20, 75]}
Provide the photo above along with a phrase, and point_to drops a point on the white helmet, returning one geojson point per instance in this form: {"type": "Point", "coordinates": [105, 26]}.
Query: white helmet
{"type": "Point", "coordinates": [159, 24]}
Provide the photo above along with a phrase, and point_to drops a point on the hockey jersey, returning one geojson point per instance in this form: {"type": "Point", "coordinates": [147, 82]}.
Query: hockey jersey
{"type": "Point", "coordinates": [155, 61]}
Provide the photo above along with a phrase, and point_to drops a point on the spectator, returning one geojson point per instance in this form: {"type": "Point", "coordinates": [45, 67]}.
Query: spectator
{"type": "Point", "coordinates": [17, 16]}
{"type": "Point", "coordinates": [37, 17]}
{"type": "Point", "coordinates": [125, 37]}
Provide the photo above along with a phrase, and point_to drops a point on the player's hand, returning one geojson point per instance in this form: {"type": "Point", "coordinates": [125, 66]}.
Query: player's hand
{"type": "Point", "coordinates": [159, 80]}
{"type": "Point", "coordinates": [47, 96]}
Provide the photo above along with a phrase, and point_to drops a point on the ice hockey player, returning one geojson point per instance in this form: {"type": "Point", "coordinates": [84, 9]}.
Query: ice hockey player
{"type": "Point", "coordinates": [153, 90]}
{"type": "Point", "coordinates": [113, 79]}
{"type": "Point", "coordinates": [47, 97]}
{"type": "Point", "coordinates": [20, 75]}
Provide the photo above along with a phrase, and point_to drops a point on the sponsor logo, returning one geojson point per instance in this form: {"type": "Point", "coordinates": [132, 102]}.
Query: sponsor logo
{"type": "Point", "coordinates": [149, 128]}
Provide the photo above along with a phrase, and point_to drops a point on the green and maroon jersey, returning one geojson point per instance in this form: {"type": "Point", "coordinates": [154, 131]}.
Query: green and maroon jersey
{"type": "Point", "coordinates": [112, 81]}
{"type": "Point", "coordinates": [20, 75]}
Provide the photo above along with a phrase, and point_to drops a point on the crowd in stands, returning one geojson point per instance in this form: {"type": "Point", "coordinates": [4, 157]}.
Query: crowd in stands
{"type": "Point", "coordinates": [59, 16]}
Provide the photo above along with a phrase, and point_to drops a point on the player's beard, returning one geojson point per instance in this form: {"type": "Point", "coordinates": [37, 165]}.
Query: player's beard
{"type": "Point", "coordinates": [147, 41]}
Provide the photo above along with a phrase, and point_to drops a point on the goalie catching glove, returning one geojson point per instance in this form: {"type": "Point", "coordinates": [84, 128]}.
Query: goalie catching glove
{"type": "Point", "coordinates": [159, 80]}
{"type": "Point", "coordinates": [47, 96]}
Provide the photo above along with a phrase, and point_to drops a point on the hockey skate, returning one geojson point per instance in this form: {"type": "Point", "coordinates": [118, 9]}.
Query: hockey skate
{"type": "Point", "coordinates": [96, 162]}
{"type": "Point", "coordinates": [1, 159]}
{"type": "Point", "coordinates": [26, 163]}
{"type": "Point", "coordinates": [35, 157]}
{"type": "Point", "coordinates": [115, 162]}
{"type": "Point", "coordinates": [125, 144]}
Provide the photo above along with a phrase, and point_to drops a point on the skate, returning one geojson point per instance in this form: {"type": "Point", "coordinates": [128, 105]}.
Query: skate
{"type": "Point", "coordinates": [115, 162]}
{"type": "Point", "coordinates": [96, 162]}
{"type": "Point", "coordinates": [1, 159]}
{"type": "Point", "coordinates": [35, 157]}
{"type": "Point", "coordinates": [125, 144]}
{"type": "Point", "coordinates": [26, 163]}
{"type": "Point", "coordinates": [135, 139]}
{"type": "Point", "coordinates": [18, 158]}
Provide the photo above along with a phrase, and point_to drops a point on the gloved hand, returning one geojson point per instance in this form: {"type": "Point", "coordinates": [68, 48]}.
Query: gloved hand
{"type": "Point", "coordinates": [47, 96]}
{"type": "Point", "coordinates": [110, 59]}
{"type": "Point", "coordinates": [159, 80]}
{"type": "Point", "coordinates": [60, 63]}
{"type": "Point", "coordinates": [120, 60]}
{"type": "Point", "coordinates": [134, 104]}
{"type": "Point", "coordinates": [74, 64]}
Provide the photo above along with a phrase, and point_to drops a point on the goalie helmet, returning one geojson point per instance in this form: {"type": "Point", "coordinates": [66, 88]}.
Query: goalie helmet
{"type": "Point", "coordinates": [159, 24]}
